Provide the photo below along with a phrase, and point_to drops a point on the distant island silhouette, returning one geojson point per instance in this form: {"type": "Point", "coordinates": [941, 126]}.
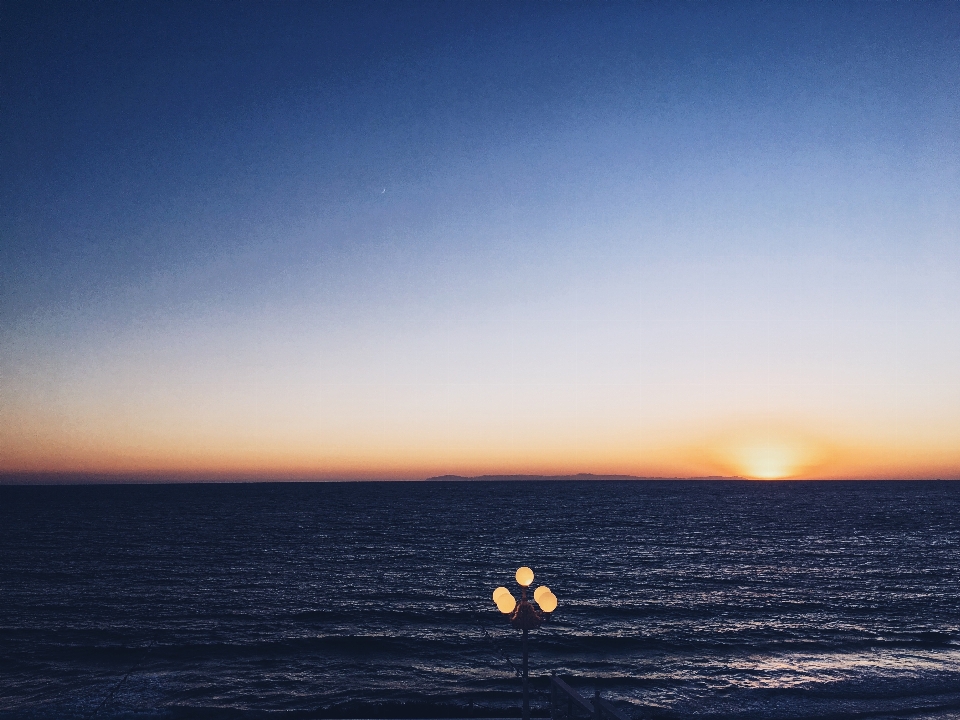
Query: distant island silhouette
{"type": "Point", "coordinates": [578, 476]}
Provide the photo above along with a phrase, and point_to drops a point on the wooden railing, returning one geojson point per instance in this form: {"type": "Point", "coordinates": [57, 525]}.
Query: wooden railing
{"type": "Point", "coordinates": [567, 704]}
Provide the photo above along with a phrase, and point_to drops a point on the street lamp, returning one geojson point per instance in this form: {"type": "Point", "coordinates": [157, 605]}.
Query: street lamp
{"type": "Point", "coordinates": [525, 616]}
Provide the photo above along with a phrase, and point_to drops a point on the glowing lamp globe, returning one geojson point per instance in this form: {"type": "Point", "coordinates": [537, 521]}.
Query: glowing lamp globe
{"type": "Point", "coordinates": [525, 576]}
{"type": "Point", "coordinates": [498, 592]}
{"type": "Point", "coordinates": [506, 603]}
{"type": "Point", "coordinates": [540, 592]}
{"type": "Point", "coordinates": [547, 602]}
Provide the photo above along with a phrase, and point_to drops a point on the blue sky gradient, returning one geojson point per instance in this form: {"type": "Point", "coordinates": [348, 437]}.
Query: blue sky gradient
{"type": "Point", "coordinates": [396, 239]}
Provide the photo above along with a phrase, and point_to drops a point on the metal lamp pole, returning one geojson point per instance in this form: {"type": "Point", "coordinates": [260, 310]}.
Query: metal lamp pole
{"type": "Point", "coordinates": [525, 617]}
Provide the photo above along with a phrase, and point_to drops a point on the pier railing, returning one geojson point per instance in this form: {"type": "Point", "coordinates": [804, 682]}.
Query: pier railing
{"type": "Point", "coordinates": [567, 704]}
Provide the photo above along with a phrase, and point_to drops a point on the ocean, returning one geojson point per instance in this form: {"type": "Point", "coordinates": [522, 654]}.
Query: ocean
{"type": "Point", "coordinates": [677, 599]}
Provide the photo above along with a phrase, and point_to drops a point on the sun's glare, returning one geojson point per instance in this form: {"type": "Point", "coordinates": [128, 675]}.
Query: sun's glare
{"type": "Point", "coordinates": [768, 455]}
{"type": "Point", "coordinates": [769, 462]}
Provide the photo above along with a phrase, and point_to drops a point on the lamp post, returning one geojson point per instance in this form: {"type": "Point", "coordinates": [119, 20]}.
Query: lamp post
{"type": "Point", "coordinates": [525, 616]}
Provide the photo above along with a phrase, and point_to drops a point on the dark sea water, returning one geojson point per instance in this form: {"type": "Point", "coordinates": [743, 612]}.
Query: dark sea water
{"type": "Point", "coordinates": [677, 599]}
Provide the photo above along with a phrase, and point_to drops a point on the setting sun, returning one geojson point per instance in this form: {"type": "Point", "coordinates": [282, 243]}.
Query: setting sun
{"type": "Point", "coordinates": [769, 462]}
{"type": "Point", "coordinates": [768, 455]}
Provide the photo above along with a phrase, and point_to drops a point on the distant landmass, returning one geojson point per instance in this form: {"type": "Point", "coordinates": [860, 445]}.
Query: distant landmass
{"type": "Point", "coordinates": [94, 478]}
{"type": "Point", "coordinates": [579, 476]}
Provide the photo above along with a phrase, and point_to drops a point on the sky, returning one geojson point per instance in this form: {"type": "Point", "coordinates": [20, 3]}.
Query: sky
{"type": "Point", "coordinates": [397, 240]}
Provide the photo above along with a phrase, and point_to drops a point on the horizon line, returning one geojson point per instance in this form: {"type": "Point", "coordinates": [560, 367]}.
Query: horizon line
{"type": "Point", "coordinates": [50, 478]}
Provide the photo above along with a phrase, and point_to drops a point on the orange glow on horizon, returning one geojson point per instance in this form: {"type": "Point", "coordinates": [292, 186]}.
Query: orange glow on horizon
{"type": "Point", "coordinates": [226, 443]}
{"type": "Point", "coordinates": [750, 455]}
